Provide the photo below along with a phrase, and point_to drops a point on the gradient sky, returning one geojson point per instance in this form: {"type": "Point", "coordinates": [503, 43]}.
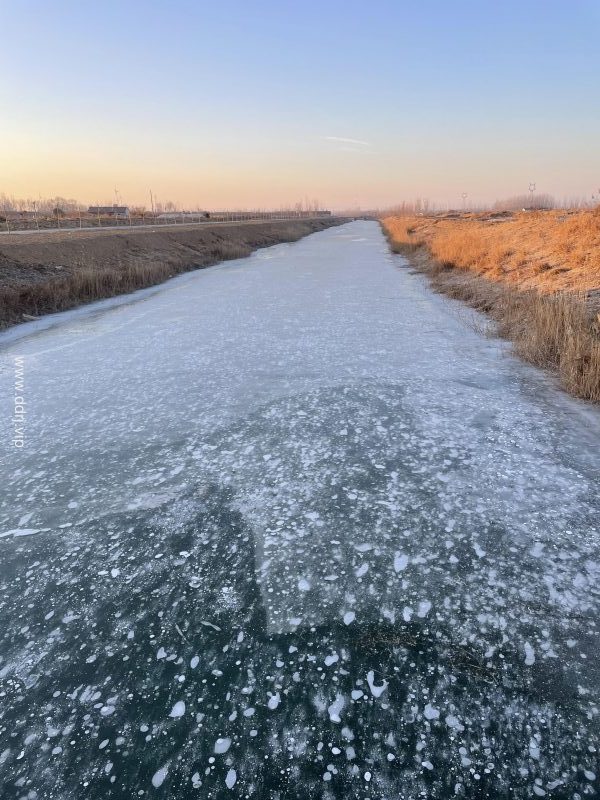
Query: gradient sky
{"type": "Point", "coordinates": [253, 104]}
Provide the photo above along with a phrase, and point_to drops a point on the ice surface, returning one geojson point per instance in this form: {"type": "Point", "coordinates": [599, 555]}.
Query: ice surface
{"type": "Point", "coordinates": [302, 501]}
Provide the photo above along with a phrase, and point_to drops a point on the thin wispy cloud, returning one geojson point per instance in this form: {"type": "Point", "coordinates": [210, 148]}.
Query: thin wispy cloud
{"type": "Point", "coordinates": [346, 140]}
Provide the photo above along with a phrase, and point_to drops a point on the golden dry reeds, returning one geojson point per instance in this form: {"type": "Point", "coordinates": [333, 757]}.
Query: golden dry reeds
{"type": "Point", "coordinates": [536, 275]}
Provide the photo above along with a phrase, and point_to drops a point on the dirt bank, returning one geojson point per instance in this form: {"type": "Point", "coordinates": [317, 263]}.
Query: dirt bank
{"type": "Point", "coordinates": [48, 272]}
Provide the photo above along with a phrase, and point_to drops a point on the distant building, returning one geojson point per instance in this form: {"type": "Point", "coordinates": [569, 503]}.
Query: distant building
{"type": "Point", "coordinates": [109, 211]}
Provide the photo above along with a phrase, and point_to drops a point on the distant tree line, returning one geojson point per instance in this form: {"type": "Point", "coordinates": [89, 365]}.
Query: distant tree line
{"type": "Point", "coordinates": [47, 205]}
{"type": "Point", "coordinates": [63, 206]}
{"type": "Point", "coordinates": [520, 201]}
{"type": "Point", "coordinates": [525, 201]}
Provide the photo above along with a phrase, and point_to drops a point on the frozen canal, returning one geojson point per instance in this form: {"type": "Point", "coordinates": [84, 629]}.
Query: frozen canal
{"type": "Point", "coordinates": [292, 527]}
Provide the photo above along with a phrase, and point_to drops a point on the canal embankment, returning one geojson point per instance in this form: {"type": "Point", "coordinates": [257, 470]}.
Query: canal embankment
{"type": "Point", "coordinates": [54, 271]}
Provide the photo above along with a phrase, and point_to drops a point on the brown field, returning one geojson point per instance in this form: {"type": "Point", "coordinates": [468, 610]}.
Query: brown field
{"type": "Point", "coordinates": [537, 274]}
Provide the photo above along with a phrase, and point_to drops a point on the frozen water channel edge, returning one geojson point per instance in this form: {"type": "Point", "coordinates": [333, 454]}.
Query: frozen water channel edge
{"type": "Point", "coordinates": [291, 527]}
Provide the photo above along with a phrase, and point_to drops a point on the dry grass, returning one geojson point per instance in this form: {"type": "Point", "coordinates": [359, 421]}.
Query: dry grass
{"type": "Point", "coordinates": [548, 251]}
{"type": "Point", "coordinates": [550, 314]}
{"type": "Point", "coordinates": [89, 284]}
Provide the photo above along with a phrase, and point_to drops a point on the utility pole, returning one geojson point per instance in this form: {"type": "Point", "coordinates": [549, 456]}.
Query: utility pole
{"type": "Point", "coordinates": [152, 201]}
{"type": "Point", "coordinates": [464, 196]}
{"type": "Point", "coordinates": [531, 191]}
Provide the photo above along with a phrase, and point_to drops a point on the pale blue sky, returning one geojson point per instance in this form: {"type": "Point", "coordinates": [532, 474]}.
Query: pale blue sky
{"type": "Point", "coordinates": [240, 103]}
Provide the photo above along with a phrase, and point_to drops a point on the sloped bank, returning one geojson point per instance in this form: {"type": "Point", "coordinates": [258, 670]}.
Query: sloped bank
{"type": "Point", "coordinates": [558, 331]}
{"type": "Point", "coordinates": [49, 273]}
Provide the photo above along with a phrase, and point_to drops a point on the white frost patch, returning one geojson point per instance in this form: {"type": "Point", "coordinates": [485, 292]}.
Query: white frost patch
{"type": "Point", "coordinates": [349, 617]}
{"type": "Point", "coordinates": [209, 625]}
{"type": "Point", "coordinates": [274, 701]}
{"type": "Point", "coordinates": [376, 691]}
{"type": "Point", "coordinates": [430, 712]}
{"type": "Point", "coordinates": [534, 749]}
{"type": "Point", "coordinates": [537, 551]}
{"type": "Point", "coordinates": [335, 709]}
{"type": "Point", "coordinates": [529, 654]}
{"type": "Point", "coordinates": [329, 660]}
{"type": "Point", "coordinates": [194, 662]}
{"type": "Point", "coordinates": [230, 779]}
{"type": "Point", "coordinates": [159, 776]}
{"type": "Point", "coordinates": [178, 710]}
{"type": "Point", "coordinates": [303, 585]}
{"type": "Point", "coordinates": [424, 608]}
{"type": "Point", "coordinates": [400, 562]}
{"type": "Point", "coordinates": [222, 745]}
{"type": "Point", "coordinates": [21, 532]}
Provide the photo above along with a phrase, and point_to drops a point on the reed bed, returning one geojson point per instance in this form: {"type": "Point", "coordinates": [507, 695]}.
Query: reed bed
{"type": "Point", "coordinates": [551, 314]}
